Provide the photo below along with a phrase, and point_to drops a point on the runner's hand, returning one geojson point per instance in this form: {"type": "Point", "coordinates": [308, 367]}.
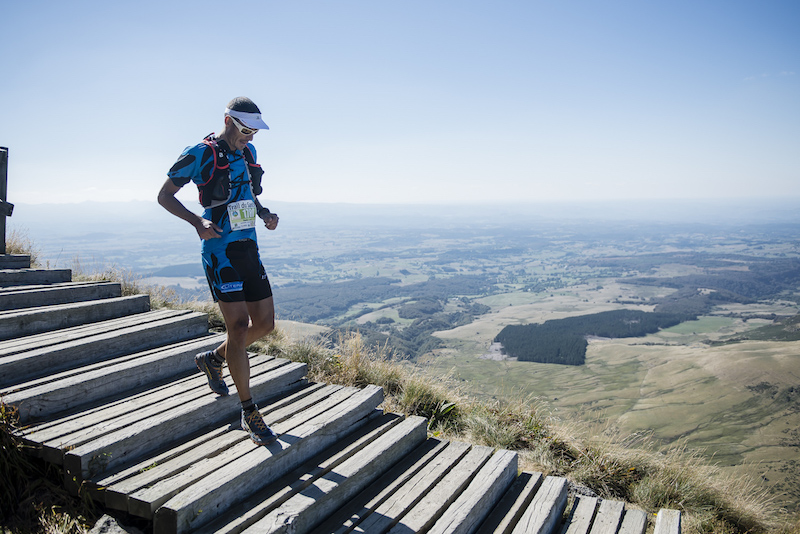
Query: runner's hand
{"type": "Point", "coordinates": [271, 221]}
{"type": "Point", "coordinates": [208, 230]}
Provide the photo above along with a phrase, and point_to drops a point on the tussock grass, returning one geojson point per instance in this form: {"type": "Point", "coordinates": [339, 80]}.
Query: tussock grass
{"type": "Point", "coordinates": [18, 242]}
{"type": "Point", "coordinates": [31, 496]}
{"type": "Point", "coordinates": [613, 466]}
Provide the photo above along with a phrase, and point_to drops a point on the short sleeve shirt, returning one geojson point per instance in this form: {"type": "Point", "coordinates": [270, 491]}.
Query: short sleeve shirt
{"type": "Point", "coordinates": [196, 164]}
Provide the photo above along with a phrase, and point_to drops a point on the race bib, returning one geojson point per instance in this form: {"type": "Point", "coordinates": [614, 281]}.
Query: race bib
{"type": "Point", "coordinates": [242, 215]}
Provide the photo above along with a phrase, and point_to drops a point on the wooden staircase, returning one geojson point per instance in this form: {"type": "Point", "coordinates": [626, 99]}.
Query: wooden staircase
{"type": "Point", "coordinates": [107, 389]}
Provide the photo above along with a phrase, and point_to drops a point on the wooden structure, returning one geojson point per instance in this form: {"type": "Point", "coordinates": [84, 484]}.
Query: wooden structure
{"type": "Point", "coordinates": [107, 389]}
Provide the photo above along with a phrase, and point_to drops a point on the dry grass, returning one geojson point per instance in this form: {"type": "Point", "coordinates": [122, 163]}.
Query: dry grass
{"type": "Point", "coordinates": [18, 242]}
{"type": "Point", "coordinates": [616, 468]}
{"type": "Point", "coordinates": [31, 496]}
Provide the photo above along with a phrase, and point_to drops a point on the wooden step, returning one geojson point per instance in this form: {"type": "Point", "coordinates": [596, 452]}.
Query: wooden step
{"type": "Point", "coordinates": [263, 502]}
{"type": "Point", "coordinates": [327, 493]}
{"type": "Point", "coordinates": [603, 516]}
{"type": "Point", "coordinates": [544, 511]}
{"type": "Point", "coordinates": [148, 423]}
{"type": "Point", "coordinates": [428, 490]}
{"type": "Point", "coordinates": [475, 502]}
{"type": "Point", "coordinates": [19, 297]}
{"type": "Point", "coordinates": [260, 466]}
{"type": "Point", "coordinates": [515, 501]}
{"type": "Point", "coordinates": [124, 489]}
{"type": "Point", "coordinates": [25, 277]}
{"type": "Point", "coordinates": [15, 261]}
{"type": "Point", "coordinates": [116, 430]}
{"type": "Point", "coordinates": [41, 355]}
{"type": "Point", "coordinates": [668, 522]}
{"type": "Point", "coordinates": [18, 323]}
{"type": "Point", "coordinates": [66, 391]}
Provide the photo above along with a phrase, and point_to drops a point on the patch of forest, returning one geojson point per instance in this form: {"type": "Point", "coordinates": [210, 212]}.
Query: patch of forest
{"type": "Point", "coordinates": [563, 341]}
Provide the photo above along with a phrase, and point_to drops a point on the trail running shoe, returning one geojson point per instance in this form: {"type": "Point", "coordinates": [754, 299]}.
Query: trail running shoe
{"type": "Point", "coordinates": [213, 370]}
{"type": "Point", "coordinates": [259, 432]}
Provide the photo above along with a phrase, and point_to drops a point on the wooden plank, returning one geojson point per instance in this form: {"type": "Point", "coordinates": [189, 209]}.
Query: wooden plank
{"type": "Point", "coordinates": [581, 516]}
{"type": "Point", "coordinates": [34, 364]}
{"type": "Point", "coordinates": [668, 522]}
{"type": "Point", "coordinates": [77, 429]}
{"type": "Point", "coordinates": [15, 261]}
{"type": "Point", "coordinates": [20, 297]}
{"type": "Point", "coordinates": [113, 488]}
{"type": "Point", "coordinates": [409, 494]}
{"type": "Point", "coordinates": [18, 277]}
{"type": "Point", "coordinates": [634, 522]}
{"type": "Point", "coordinates": [129, 443]}
{"type": "Point", "coordinates": [208, 498]}
{"type": "Point", "coordinates": [376, 494]}
{"type": "Point", "coordinates": [428, 510]}
{"type": "Point", "coordinates": [324, 495]}
{"type": "Point", "coordinates": [17, 323]}
{"type": "Point", "coordinates": [608, 518]}
{"type": "Point", "coordinates": [108, 379]}
{"type": "Point", "coordinates": [545, 509]}
{"type": "Point", "coordinates": [264, 501]}
{"type": "Point", "coordinates": [507, 512]}
{"type": "Point", "coordinates": [478, 499]}
{"type": "Point", "coordinates": [50, 339]}
{"type": "Point", "coordinates": [168, 480]}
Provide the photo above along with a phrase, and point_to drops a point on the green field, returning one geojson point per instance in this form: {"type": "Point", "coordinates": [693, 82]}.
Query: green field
{"type": "Point", "coordinates": [733, 403]}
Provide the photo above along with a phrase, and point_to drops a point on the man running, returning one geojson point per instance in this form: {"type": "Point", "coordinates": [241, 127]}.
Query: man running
{"type": "Point", "coordinates": [224, 169]}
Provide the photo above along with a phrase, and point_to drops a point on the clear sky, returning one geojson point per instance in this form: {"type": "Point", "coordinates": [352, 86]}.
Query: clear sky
{"type": "Point", "coordinates": [408, 101]}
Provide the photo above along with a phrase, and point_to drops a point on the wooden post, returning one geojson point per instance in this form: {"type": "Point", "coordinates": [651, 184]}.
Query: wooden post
{"type": "Point", "coordinates": [3, 204]}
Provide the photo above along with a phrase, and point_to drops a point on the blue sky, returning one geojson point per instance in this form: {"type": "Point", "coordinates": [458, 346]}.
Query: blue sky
{"type": "Point", "coordinates": [409, 102]}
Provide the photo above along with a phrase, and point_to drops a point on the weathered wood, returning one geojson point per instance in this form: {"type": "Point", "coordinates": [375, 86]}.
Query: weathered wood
{"type": "Point", "coordinates": [79, 428]}
{"type": "Point", "coordinates": [668, 522]}
{"type": "Point", "coordinates": [15, 261]}
{"type": "Point", "coordinates": [406, 496]}
{"type": "Point", "coordinates": [141, 335]}
{"type": "Point", "coordinates": [50, 339]}
{"type": "Point", "coordinates": [381, 490]}
{"type": "Point", "coordinates": [431, 507]}
{"type": "Point", "coordinates": [476, 501]}
{"type": "Point", "coordinates": [19, 277]}
{"type": "Point", "coordinates": [308, 507]}
{"type": "Point", "coordinates": [20, 297]}
{"type": "Point", "coordinates": [608, 518]}
{"type": "Point", "coordinates": [106, 380]}
{"type": "Point", "coordinates": [581, 516]}
{"type": "Point", "coordinates": [115, 487]}
{"type": "Point", "coordinates": [544, 512]}
{"type": "Point", "coordinates": [127, 444]}
{"type": "Point", "coordinates": [171, 478]}
{"type": "Point", "coordinates": [509, 509]}
{"type": "Point", "coordinates": [203, 501]}
{"type": "Point", "coordinates": [259, 504]}
{"type": "Point", "coordinates": [18, 323]}
{"type": "Point", "coordinates": [634, 522]}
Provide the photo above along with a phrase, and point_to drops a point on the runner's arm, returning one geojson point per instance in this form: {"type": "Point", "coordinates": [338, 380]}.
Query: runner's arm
{"type": "Point", "coordinates": [166, 197]}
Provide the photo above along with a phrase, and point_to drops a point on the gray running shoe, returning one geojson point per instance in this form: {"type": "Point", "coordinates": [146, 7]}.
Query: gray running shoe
{"type": "Point", "coordinates": [259, 432]}
{"type": "Point", "coordinates": [213, 370]}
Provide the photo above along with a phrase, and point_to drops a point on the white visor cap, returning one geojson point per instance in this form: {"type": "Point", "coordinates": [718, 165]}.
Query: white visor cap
{"type": "Point", "coordinates": [251, 120]}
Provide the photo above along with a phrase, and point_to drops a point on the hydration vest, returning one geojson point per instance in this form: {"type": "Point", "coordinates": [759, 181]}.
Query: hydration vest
{"type": "Point", "coordinates": [217, 188]}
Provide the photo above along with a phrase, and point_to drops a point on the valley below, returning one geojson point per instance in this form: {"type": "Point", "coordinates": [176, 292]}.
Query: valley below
{"type": "Point", "coordinates": [435, 288]}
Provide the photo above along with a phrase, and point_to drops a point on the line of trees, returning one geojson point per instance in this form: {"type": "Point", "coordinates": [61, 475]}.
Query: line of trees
{"type": "Point", "coordinates": [563, 341]}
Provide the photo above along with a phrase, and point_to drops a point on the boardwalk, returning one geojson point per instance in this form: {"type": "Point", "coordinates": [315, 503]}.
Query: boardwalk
{"type": "Point", "coordinates": [107, 389]}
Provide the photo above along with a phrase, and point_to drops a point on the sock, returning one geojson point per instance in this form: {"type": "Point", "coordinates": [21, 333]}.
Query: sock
{"type": "Point", "coordinates": [249, 405]}
{"type": "Point", "coordinates": [219, 359]}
